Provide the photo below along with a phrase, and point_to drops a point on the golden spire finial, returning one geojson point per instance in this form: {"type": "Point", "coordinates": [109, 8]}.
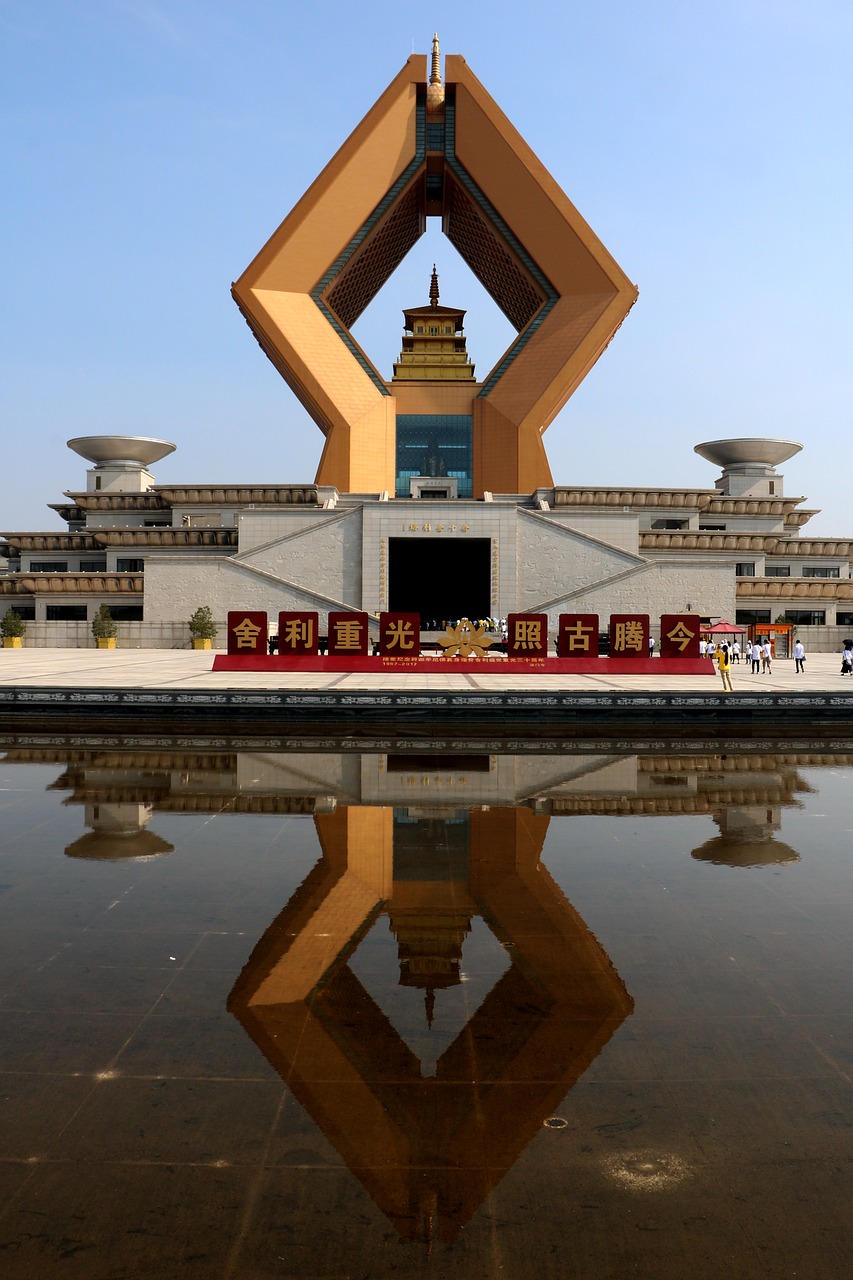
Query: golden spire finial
{"type": "Point", "coordinates": [435, 74]}
{"type": "Point", "coordinates": [433, 288]}
{"type": "Point", "coordinates": [435, 89]}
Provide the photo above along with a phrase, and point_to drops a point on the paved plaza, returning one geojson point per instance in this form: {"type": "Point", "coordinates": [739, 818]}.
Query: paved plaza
{"type": "Point", "coordinates": [180, 668]}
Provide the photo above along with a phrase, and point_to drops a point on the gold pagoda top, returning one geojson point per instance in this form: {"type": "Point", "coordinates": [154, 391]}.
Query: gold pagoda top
{"type": "Point", "coordinates": [434, 347]}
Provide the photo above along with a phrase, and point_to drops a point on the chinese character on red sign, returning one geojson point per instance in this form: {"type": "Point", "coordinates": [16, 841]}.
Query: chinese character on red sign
{"type": "Point", "coordinates": [247, 631]}
{"type": "Point", "coordinates": [679, 635]}
{"type": "Point", "coordinates": [347, 634]}
{"type": "Point", "coordinates": [399, 635]}
{"type": "Point", "coordinates": [629, 635]}
{"type": "Point", "coordinates": [577, 636]}
{"type": "Point", "coordinates": [527, 635]}
{"type": "Point", "coordinates": [297, 632]}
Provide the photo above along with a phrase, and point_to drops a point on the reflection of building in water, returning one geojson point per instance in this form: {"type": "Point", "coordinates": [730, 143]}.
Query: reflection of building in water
{"type": "Point", "coordinates": [118, 805]}
{"type": "Point", "coordinates": [429, 1105]}
{"type": "Point", "coordinates": [744, 794]}
{"type": "Point", "coordinates": [746, 838]}
{"type": "Point", "coordinates": [118, 831]}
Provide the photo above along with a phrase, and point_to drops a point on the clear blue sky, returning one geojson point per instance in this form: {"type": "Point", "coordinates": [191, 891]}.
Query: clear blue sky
{"type": "Point", "coordinates": [150, 147]}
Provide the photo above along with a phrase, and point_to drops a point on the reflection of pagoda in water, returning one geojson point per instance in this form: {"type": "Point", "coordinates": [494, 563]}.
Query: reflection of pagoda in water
{"type": "Point", "coordinates": [429, 1135]}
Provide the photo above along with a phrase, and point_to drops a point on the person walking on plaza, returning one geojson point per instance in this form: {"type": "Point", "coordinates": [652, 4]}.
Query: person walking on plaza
{"type": "Point", "coordinates": [724, 664]}
{"type": "Point", "coordinates": [846, 659]}
{"type": "Point", "coordinates": [703, 647]}
{"type": "Point", "coordinates": [766, 655]}
{"type": "Point", "coordinates": [755, 656]}
{"type": "Point", "coordinates": [736, 652]}
{"type": "Point", "coordinates": [799, 656]}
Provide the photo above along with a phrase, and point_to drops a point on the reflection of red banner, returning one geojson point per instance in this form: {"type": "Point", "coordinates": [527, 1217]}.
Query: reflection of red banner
{"type": "Point", "coordinates": [247, 631]}
{"type": "Point", "coordinates": [298, 632]}
{"type": "Point", "coordinates": [577, 635]}
{"type": "Point", "coordinates": [629, 635]}
{"type": "Point", "coordinates": [679, 635]}
{"type": "Point", "coordinates": [399, 634]}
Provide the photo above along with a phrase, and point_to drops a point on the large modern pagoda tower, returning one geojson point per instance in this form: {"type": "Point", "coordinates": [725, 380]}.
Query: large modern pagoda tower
{"type": "Point", "coordinates": [445, 150]}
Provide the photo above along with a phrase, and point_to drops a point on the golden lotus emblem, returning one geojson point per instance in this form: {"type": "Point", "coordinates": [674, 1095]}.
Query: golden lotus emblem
{"type": "Point", "coordinates": [465, 641]}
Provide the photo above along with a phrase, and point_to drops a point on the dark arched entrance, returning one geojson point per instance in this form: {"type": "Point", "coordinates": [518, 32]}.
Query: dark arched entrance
{"type": "Point", "coordinates": [440, 577]}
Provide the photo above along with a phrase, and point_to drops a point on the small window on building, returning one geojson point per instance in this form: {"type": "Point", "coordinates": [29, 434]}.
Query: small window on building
{"type": "Point", "coordinates": [669, 524]}
{"type": "Point", "coordinates": [129, 566]}
{"type": "Point", "coordinates": [747, 617]}
{"type": "Point", "coordinates": [745, 569]}
{"type": "Point", "coordinates": [419, 328]}
{"type": "Point", "coordinates": [712, 528]}
{"type": "Point", "coordinates": [93, 566]}
{"type": "Point", "coordinates": [777, 571]}
{"type": "Point", "coordinates": [771, 487]}
{"type": "Point", "coordinates": [97, 482]}
{"type": "Point", "coordinates": [821, 571]}
{"type": "Point", "coordinates": [126, 612]}
{"type": "Point", "coordinates": [48, 566]}
{"type": "Point", "coordinates": [25, 611]}
{"type": "Point", "coordinates": [841, 619]}
{"type": "Point", "coordinates": [65, 613]}
{"type": "Point", "coordinates": [806, 617]}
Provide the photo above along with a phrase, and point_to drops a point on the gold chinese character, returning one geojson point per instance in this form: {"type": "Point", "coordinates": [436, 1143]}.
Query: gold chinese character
{"type": "Point", "coordinates": [578, 637]}
{"type": "Point", "coordinates": [453, 528]}
{"type": "Point", "coordinates": [298, 631]}
{"type": "Point", "coordinates": [680, 635]}
{"type": "Point", "coordinates": [399, 635]}
{"type": "Point", "coordinates": [413, 528]}
{"type": "Point", "coordinates": [427, 528]}
{"type": "Point", "coordinates": [628, 635]}
{"type": "Point", "coordinates": [439, 528]}
{"type": "Point", "coordinates": [247, 633]}
{"type": "Point", "coordinates": [347, 635]}
{"type": "Point", "coordinates": [465, 528]}
{"type": "Point", "coordinates": [527, 634]}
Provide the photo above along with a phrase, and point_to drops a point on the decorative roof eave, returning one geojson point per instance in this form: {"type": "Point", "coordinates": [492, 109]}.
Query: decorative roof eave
{"type": "Point", "coordinates": [794, 589]}
{"type": "Point", "coordinates": [770, 544]}
{"type": "Point", "coordinates": [68, 511]}
{"type": "Point", "coordinates": [692, 499]}
{"type": "Point", "coordinates": [165, 537]}
{"type": "Point", "coordinates": [70, 584]}
{"type": "Point", "coordinates": [239, 495]}
{"type": "Point", "coordinates": [101, 501]}
{"type": "Point", "coordinates": [49, 542]}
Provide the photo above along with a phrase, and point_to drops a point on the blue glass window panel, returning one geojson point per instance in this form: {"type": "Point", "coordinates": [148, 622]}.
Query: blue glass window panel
{"type": "Point", "coordinates": [420, 436]}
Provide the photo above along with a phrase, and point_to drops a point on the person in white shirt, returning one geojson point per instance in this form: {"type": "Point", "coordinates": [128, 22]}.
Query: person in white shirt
{"type": "Point", "coordinates": [755, 654]}
{"type": "Point", "coordinates": [766, 655]}
{"type": "Point", "coordinates": [735, 652]}
{"type": "Point", "coordinates": [703, 647]}
{"type": "Point", "coordinates": [799, 656]}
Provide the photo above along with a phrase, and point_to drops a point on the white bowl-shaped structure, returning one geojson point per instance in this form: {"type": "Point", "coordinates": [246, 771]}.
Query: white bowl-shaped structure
{"type": "Point", "coordinates": [134, 451]}
{"type": "Point", "coordinates": [747, 451]}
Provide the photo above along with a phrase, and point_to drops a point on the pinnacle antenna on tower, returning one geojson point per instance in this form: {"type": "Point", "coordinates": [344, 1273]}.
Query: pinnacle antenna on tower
{"type": "Point", "coordinates": [435, 73]}
{"type": "Point", "coordinates": [433, 288]}
{"type": "Point", "coordinates": [435, 89]}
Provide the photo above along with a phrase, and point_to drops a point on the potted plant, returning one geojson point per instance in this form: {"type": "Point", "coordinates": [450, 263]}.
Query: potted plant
{"type": "Point", "coordinates": [202, 627]}
{"type": "Point", "coordinates": [12, 628]}
{"type": "Point", "coordinates": [104, 628]}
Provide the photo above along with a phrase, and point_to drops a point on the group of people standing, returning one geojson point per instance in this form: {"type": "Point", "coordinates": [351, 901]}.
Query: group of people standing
{"type": "Point", "coordinates": [760, 656]}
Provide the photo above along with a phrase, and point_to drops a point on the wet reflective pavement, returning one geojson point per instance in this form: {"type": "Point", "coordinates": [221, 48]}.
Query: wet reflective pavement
{"type": "Point", "coordinates": [473, 1012]}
